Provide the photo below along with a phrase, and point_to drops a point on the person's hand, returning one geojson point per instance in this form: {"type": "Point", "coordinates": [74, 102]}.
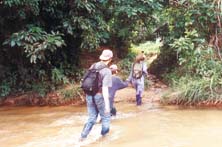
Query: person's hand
{"type": "Point", "coordinates": [128, 81]}
{"type": "Point", "coordinates": [107, 110]}
{"type": "Point", "coordinates": [129, 84]}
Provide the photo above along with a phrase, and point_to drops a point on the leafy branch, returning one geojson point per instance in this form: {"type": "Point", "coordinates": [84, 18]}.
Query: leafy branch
{"type": "Point", "coordinates": [36, 42]}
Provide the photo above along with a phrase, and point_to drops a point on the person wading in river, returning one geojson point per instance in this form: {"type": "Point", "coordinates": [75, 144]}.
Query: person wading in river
{"type": "Point", "coordinates": [137, 76]}
{"type": "Point", "coordinates": [117, 84]}
{"type": "Point", "coordinates": [99, 103]}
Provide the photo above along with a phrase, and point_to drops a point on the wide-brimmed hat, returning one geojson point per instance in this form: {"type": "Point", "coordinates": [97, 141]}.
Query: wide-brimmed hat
{"type": "Point", "coordinates": [113, 67]}
{"type": "Point", "coordinates": [106, 55]}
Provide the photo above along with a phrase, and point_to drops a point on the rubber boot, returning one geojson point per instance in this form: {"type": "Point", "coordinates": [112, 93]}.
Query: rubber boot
{"type": "Point", "coordinates": [138, 100]}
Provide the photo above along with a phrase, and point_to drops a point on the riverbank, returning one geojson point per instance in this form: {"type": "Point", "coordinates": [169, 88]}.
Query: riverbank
{"type": "Point", "coordinates": [72, 95]}
{"type": "Point", "coordinates": [67, 95]}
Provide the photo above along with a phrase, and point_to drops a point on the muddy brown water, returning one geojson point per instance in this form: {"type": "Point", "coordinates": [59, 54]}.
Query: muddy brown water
{"type": "Point", "coordinates": [150, 125]}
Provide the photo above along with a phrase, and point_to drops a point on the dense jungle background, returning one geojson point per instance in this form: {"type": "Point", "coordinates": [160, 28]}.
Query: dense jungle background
{"type": "Point", "coordinates": [47, 44]}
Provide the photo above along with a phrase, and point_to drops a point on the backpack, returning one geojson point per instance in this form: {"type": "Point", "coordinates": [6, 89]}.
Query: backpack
{"type": "Point", "coordinates": [90, 81]}
{"type": "Point", "coordinates": [137, 70]}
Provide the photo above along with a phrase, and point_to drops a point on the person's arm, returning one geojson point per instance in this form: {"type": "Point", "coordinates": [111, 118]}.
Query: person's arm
{"type": "Point", "coordinates": [121, 84]}
{"type": "Point", "coordinates": [105, 92]}
{"type": "Point", "coordinates": [106, 83]}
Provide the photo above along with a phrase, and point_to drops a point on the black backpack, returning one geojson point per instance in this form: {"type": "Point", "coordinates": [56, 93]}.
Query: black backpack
{"type": "Point", "coordinates": [90, 81]}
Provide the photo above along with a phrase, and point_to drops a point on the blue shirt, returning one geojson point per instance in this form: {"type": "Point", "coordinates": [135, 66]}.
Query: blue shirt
{"type": "Point", "coordinates": [117, 84]}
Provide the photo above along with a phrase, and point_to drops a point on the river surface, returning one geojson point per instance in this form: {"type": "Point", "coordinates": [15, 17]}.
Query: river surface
{"type": "Point", "coordinates": [145, 126]}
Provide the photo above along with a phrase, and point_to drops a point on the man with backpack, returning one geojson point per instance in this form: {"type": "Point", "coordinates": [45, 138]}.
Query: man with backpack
{"type": "Point", "coordinates": [137, 75]}
{"type": "Point", "coordinates": [97, 96]}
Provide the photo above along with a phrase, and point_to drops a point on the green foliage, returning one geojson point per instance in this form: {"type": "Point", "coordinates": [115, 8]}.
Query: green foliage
{"type": "Point", "coordinates": [7, 84]}
{"type": "Point", "coordinates": [192, 90]}
{"type": "Point", "coordinates": [72, 92]}
{"type": "Point", "coordinates": [36, 42]}
{"type": "Point", "coordinates": [78, 74]}
{"type": "Point", "coordinates": [27, 5]}
{"type": "Point", "coordinates": [90, 27]}
{"type": "Point", "coordinates": [58, 76]}
{"type": "Point", "coordinates": [195, 56]}
{"type": "Point", "coordinates": [53, 33]}
{"type": "Point", "coordinates": [191, 46]}
{"type": "Point", "coordinates": [149, 47]}
{"type": "Point", "coordinates": [5, 88]}
{"type": "Point", "coordinates": [126, 63]}
{"type": "Point", "coordinates": [186, 48]}
{"type": "Point", "coordinates": [131, 22]}
{"type": "Point", "coordinates": [41, 88]}
{"type": "Point", "coordinates": [41, 40]}
{"type": "Point", "coordinates": [199, 17]}
{"type": "Point", "coordinates": [200, 72]}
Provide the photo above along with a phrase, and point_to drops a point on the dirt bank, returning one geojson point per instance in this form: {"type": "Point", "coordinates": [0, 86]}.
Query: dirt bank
{"type": "Point", "coordinates": [152, 94]}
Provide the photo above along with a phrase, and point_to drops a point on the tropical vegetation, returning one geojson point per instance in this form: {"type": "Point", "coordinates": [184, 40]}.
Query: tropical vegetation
{"type": "Point", "coordinates": [42, 42]}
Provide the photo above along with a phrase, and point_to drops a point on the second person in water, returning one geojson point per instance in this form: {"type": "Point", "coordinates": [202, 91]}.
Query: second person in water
{"type": "Point", "coordinates": [117, 84]}
{"type": "Point", "coordinates": [137, 76]}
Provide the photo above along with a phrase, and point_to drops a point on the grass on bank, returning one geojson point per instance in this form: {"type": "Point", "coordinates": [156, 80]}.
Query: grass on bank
{"type": "Point", "coordinates": [194, 90]}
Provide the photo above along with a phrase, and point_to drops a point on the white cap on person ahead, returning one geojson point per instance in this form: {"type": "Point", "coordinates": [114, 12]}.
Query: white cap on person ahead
{"type": "Point", "coordinates": [106, 55]}
{"type": "Point", "coordinates": [113, 67]}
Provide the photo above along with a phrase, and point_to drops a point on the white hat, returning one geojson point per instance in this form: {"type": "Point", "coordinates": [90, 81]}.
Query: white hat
{"type": "Point", "coordinates": [113, 67]}
{"type": "Point", "coordinates": [106, 55]}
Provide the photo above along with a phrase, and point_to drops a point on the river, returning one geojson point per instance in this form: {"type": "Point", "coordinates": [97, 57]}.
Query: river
{"type": "Point", "coordinates": [145, 126]}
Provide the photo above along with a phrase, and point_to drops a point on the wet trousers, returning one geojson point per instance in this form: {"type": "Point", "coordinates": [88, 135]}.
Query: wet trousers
{"type": "Point", "coordinates": [95, 106]}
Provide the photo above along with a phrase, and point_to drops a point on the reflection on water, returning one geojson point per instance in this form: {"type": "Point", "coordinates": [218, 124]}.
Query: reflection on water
{"type": "Point", "coordinates": [133, 126]}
